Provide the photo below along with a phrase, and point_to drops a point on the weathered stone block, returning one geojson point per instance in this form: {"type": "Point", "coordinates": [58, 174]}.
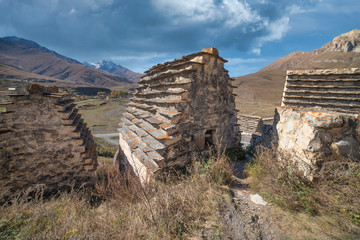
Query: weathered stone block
{"type": "Point", "coordinates": [347, 147]}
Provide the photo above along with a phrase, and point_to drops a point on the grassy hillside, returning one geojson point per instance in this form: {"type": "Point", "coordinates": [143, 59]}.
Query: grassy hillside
{"type": "Point", "coordinates": [259, 93]}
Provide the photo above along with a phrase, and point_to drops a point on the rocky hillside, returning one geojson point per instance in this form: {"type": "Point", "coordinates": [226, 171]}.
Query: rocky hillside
{"type": "Point", "coordinates": [114, 68]}
{"type": "Point", "coordinates": [343, 51]}
{"type": "Point", "coordinates": [20, 56]}
{"type": "Point", "coordinates": [347, 42]}
{"type": "Point", "coordinates": [263, 89]}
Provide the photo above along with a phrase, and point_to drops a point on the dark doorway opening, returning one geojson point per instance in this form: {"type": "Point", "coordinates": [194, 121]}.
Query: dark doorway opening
{"type": "Point", "coordinates": [209, 141]}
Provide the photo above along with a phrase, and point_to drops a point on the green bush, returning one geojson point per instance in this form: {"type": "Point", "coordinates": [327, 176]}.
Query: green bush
{"type": "Point", "coordinates": [105, 152]}
{"type": "Point", "coordinates": [235, 154]}
{"type": "Point", "coordinates": [104, 149]}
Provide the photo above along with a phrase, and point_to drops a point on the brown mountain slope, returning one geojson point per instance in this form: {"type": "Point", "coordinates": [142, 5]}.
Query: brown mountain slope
{"type": "Point", "coordinates": [315, 60]}
{"type": "Point", "coordinates": [33, 60]}
{"type": "Point", "coordinates": [260, 92]}
{"type": "Point", "coordinates": [128, 73]}
{"type": "Point", "coordinates": [11, 72]}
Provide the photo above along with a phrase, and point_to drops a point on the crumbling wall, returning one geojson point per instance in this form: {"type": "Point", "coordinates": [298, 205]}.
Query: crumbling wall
{"type": "Point", "coordinates": [180, 107]}
{"type": "Point", "coordinates": [319, 116]}
{"type": "Point", "coordinates": [44, 141]}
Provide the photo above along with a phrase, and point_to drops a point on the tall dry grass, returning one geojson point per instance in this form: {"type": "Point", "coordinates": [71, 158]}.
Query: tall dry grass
{"type": "Point", "coordinates": [335, 192]}
{"type": "Point", "coordinates": [121, 208]}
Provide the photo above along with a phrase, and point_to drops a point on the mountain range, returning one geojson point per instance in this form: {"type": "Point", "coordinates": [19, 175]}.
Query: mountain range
{"type": "Point", "coordinates": [257, 93]}
{"type": "Point", "coordinates": [260, 92]}
{"type": "Point", "coordinates": [26, 60]}
{"type": "Point", "coordinates": [114, 68]}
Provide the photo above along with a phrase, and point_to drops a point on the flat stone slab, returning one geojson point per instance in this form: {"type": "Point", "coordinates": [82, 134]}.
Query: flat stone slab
{"type": "Point", "coordinates": [256, 198]}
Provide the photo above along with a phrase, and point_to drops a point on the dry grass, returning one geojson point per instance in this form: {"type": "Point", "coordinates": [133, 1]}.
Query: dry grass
{"type": "Point", "coordinates": [328, 208]}
{"type": "Point", "coordinates": [102, 116]}
{"type": "Point", "coordinates": [104, 148]}
{"type": "Point", "coordinates": [120, 208]}
{"type": "Point", "coordinates": [259, 108]}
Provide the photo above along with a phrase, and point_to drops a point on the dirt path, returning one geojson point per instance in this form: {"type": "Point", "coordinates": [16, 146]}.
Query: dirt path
{"type": "Point", "coordinates": [244, 219]}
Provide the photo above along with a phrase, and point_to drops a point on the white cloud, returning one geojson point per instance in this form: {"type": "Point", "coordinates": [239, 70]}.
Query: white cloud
{"type": "Point", "coordinates": [295, 9]}
{"type": "Point", "coordinates": [237, 13]}
{"type": "Point", "coordinates": [276, 30]}
{"type": "Point", "coordinates": [255, 50]}
{"type": "Point", "coordinates": [233, 16]}
{"type": "Point", "coordinates": [231, 12]}
{"type": "Point", "coordinates": [188, 10]}
{"type": "Point", "coordinates": [73, 11]}
{"type": "Point", "coordinates": [93, 4]}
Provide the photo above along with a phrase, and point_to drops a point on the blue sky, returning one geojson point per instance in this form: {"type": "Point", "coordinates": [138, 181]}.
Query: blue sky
{"type": "Point", "coordinates": [139, 34]}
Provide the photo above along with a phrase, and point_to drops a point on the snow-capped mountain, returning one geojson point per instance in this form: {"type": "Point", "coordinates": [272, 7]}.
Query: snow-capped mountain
{"type": "Point", "coordinates": [26, 60]}
{"type": "Point", "coordinates": [113, 68]}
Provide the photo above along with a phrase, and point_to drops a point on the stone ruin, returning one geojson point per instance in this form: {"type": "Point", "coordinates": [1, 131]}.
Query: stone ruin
{"type": "Point", "coordinates": [250, 128]}
{"type": "Point", "coordinates": [319, 116]}
{"type": "Point", "coordinates": [179, 107]}
{"type": "Point", "coordinates": [44, 141]}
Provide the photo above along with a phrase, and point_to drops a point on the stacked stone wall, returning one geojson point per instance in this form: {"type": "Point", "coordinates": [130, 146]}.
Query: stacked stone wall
{"type": "Point", "coordinates": [249, 124]}
{"type": "Point", "coordinates": [319, 117]}
{"type": "Point", "coordinates": [323, 90]}
{"type": "Point", "coordinates": [180, 107]}
{"type": "Point", "coordinates": [44, 141]}
{"type": "Point", "coordinates": [250, 128]}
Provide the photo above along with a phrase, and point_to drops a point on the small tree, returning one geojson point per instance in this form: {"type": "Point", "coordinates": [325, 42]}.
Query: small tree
{"type": "Point", "coordinates": [27, 86]}
{"type": "Point", "coordinates": [101, 95]}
